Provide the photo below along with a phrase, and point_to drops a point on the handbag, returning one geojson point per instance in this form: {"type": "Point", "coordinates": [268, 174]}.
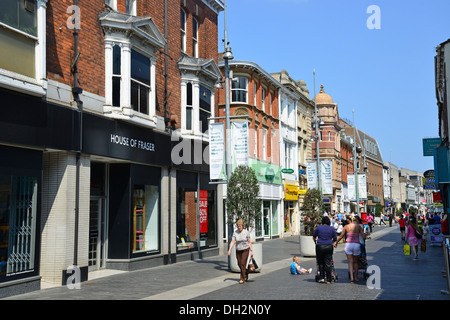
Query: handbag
{"type": "Point", "coordinates": [406, 249]}
{"type": "Point", "coordinates": [252, 266]}
{"type": "Point", "coordinates": [423, 246]}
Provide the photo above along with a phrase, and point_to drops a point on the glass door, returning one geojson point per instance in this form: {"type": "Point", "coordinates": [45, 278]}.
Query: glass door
{"type": "Point", "coordinates": [96, 234]}
{"type": "Point", "coordinates": [266, 219]}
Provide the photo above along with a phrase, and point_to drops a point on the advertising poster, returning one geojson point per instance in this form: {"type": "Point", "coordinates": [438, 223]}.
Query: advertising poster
{"type": "Point", "coordinates": [203, 215]}
{"type": "Point", "coordinates": [217, 168]}
{"type": "Point", "coordinates": [436, 236]}
{"type": "Point", "coordinates": [239, 143]}
{"type": "Point", "coordinates": [362, 189]}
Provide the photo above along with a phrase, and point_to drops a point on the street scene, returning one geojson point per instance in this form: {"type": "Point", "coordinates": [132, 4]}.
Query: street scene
{"type": "Point", "coordinates": [210, 150]}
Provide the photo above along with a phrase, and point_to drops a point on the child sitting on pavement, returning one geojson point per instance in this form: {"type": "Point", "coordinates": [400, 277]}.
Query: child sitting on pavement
{"type": "Point", "coordinates": [295, 267]}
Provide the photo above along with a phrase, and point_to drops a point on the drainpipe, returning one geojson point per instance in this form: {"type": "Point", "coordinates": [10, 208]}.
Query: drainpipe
{"type": "Point", "coordinates": [76, 91]}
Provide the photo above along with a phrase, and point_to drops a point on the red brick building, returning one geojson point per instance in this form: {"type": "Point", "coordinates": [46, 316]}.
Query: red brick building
{"type": "Point", "coordinates": [91, 93]}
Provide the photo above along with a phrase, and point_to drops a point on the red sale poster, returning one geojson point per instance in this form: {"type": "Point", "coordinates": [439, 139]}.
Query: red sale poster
{"type": "Point", "coordinates": [203, 206]}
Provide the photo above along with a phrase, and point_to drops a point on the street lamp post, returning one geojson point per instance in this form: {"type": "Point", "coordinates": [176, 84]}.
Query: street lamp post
{"type": "Point", "coordinates": [227, 56]}
{"type": "Point", "coordinates": [355, 167]}
{"type": "Point", "coordinates": [316, 125]}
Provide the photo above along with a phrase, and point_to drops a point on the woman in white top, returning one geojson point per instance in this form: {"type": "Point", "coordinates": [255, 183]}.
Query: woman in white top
{"type": "Point", "coordinates": [241, 238]}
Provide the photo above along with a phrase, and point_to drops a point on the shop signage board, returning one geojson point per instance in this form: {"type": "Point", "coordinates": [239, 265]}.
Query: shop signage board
{"type": "Point", "coordinates": [429, 144]}
{"type": "Point", "coordinates": [290, 192]}
{"type": "Point", "coordinates": [266, 172]}
{"type": "Point", "coordinates": [436, 235]}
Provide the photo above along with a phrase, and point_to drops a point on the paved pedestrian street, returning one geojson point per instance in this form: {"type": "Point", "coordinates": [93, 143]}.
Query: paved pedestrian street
{"type": "Point", "coordinates": [399, 278]}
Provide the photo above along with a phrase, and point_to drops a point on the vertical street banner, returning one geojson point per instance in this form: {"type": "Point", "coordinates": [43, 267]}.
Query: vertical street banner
{"type": "Point", "coordinates": [217, 168]}
{"type": "Point", "coordinates": [362, 188]}
{"type": "Point", "coordinates": [239, 143]}
{"type": "Point", "coordinates": [311, 174]}
{"type": "Point", "coordinates": [326, 176]}
{"type": "Point", "coordinates": [203, 215]}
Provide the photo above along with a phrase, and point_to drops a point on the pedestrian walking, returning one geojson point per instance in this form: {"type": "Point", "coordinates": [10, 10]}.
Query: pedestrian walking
{"type": "Point", "coordinates": [352, 247]}
{"type": "Point", "coordinates": [414, 236]}
{"type": "Point", "coordinates": [402, 223]}
{"type": "Point", "coordinates": [324, 236]}
{"type": "Point", "coordinates": [382, 219]}
{"type": "Point", "coordinates": [241, 238]}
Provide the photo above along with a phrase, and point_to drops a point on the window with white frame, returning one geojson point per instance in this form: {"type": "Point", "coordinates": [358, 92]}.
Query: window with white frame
{"type": "Point", "coordinates": [194, 38]}
{"type": "Point", "coordinates": [131, 7]}
{"type": "Point", "coordinates": [189, 106]}
{"type": "Point", "coordinates": [255, 88]}
{"type": "Point", "coordinates": [112, 4]}
{"type": "Point", "coordinates": [270, 103]}
{"type": "Point", "coordinates": [264, 144]}
{"type": "Point", "coordinates": [22, 37]}
{"type": "Point", "coordinates": [239, 89]}
{"type": "Point", "coordinates": [263, 99]}
{"type": "Point", "coordinates": [255, 153]}
{"type": "Point", "coordinates": [140, 82]}
{"type": "Point", "coordinates": [183, 30]}
{"type": "Point", "coordinates": [205, 108]}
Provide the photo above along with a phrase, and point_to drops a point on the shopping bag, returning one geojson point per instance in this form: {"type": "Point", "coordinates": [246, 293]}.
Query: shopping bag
{"type": "Point", "coordinates": [406, 249]}
{"type": "Point", "coordinates": [423, 246]}
{"type": "Point", "coordinates": [252, 266]}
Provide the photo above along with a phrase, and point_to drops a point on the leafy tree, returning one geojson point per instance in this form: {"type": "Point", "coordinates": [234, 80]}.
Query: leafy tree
{"type": "Point", "coordinates": [242, 192]}
{"type": "Point", "coordinates": [312, 209]}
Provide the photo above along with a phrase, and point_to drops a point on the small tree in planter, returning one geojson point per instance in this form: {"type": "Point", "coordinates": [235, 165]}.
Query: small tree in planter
{"type": "Point", "coordinates": [312, 210]}
{"type": "Point", "coordinates": [242, 192]}
{"type": "Point", "coordinates": [242, 203]}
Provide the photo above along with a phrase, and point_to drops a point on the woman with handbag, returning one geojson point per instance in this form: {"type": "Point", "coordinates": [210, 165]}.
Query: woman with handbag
{"type": "Point", "coordinates": [414, 236]}
{"type": "Point", "coordinates": [241, 238]}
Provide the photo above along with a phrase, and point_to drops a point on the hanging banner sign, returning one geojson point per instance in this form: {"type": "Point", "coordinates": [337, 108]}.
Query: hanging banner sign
{"type": "Point", "coordinates": [217, 168]}
{"type": "Point", "coordinates": [362, 189]}
{"type": "Point", "coordinates": [239, 143]}
{"type": "Point", "coordinates": [311, 175]}
{"type": "Point", "coordinates": [326, 176]}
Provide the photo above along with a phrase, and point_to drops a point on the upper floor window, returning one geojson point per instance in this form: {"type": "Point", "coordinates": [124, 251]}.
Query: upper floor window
{"type": "Point", "coordinates": [140, 82]}
{"type": "Point", "coordinates": [263, 100]}
{"type": "Point", "coordinates": [195, 37]}
{"type": "Point", "coordinates": [239, 89]}
{"type": "Point", "coordinates": [205, 108]}
{"type": "Point", "coordinates": [189, 106]}
{"type": "Point", "coordinates": [183, 30]}
{"type": "Point", "coordinates": [112, 4]}
{"type": "Point", "coordinates": [20, 15]}
{"type": "Point", "coordinates": [22, 40]}
{"type": "Point", "coordinates": [131, 7]}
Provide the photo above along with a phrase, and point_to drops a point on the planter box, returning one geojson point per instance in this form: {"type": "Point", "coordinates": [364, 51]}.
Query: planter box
{"type": "Point", "coordinates": [307, 246]}
{"type": "Point", "coordinates": [257, 254]}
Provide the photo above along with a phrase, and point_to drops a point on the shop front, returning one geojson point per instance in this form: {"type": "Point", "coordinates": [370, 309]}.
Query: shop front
{"type": "Point", "coordinates": [291, 212]}
{"type": "Point", "coordinates": [267, 225]}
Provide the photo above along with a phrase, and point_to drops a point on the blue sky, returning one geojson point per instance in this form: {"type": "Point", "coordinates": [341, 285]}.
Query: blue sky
{"type": "Point", "coordinates": [386, 75]}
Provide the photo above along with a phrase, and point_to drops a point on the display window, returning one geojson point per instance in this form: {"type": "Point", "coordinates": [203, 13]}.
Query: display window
{"type": "Point", "coordinates": [196, 213]}
{"type": "Point", "coordinates": [145, 218]}
{"type": "Point", "coordinates": [18, 214]}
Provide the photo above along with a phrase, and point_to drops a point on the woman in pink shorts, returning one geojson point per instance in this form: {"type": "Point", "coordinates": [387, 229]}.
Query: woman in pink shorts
{"type": "Point", "coordinates": [352, 248]}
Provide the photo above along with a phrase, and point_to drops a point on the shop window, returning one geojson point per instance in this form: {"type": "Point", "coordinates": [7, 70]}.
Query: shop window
{"type": "Point", "coordinates": [196, 214]}
{"type": "Point", "coordinates": [145, 218]}
{"type": "Point", "coordinates": [18, 207]}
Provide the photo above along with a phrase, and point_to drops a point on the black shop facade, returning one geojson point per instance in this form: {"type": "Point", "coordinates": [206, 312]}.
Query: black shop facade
{"type": "Point", "coordinates": [136, 208]}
